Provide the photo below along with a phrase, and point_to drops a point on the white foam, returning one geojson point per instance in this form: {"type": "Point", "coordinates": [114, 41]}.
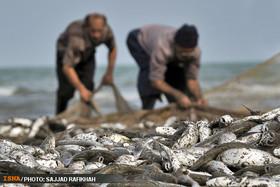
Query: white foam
{"type": "Point", "coordinates": [8, 91]}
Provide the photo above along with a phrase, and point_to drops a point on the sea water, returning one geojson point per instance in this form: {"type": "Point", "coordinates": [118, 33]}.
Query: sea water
{"type": "Point", "coordinates": [30, 92]}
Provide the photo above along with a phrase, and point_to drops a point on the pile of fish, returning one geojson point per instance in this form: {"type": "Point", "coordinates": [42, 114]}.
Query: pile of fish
{"type": "Point", "coordinates": [226, 151]}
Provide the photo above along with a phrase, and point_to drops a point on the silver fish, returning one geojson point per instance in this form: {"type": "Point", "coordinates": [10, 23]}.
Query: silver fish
{"type": "Point", "coordinates": [253, 135]}
{"type": "Point", "coordinates": [86, 136]}
{"type": "Point", "coordinates": [276, 176]}
{"type": "Point", "coordinates": [226, 137]}
{"type": "Point", "coordinates": [166, 130]}
{"type": "Point", "coordinates": [261, 181]}
{"type": "Point", "coordinates": [188, 138]}
{"type": "Point", "coordinates": [187, 180]}
{"type": "Point", "coordinates": [66, 133]}
{"type": "Point", "coordinates": [5, 129]}
{"type": "Point", "coordinates": [78, 142]}
{"type": "Point", "coordinates": [21, 121]}
{"type": "Point", "coordinates": [270, 138]}
{"type": "Point", "coordinates": [198, 151]}
{"type": "Point", "coordinates": [77, 165]}
{"type": "Point", "coordinates": [185, 158]}
{"type": "Point", "coordinates": [36, 126]}
{"type": "Point", "coordinates": [76, 148]}
{"type": "Point", "coordinates": [19, 131]}
{"type": "Point", "coordinates": [49, 156]}
{"type": "Point", "coordinates": [6, 158]}
{"type": "Point", "coordinates": [256, 129]}
{"type": "Point", "coordinates": [54, 164]}
{"type": "Point", "coordinates": [200, 176]}
{"type": "Point", "coordinates": [250, 138]}
{"type": "Point", "coordinates": [113, 126]}
{"type": "Point", "coordinates": [6, 147]}
{"type": "Point", "coordinates": [175, 164]}
{"type": "Point", "coordinates": [65, 155]}
{"type": "Point", "coordinates": [48, 145]}
{"type": "Point", "coordinates": [218, 166]}
{"type": "Point", "coordinates": [111, 155]}
{"type": "Point", "coordinates": [225, 120]}
{"type": "Point", "coordinates": [203, 130]}
{"type": "Point", "coordinates": [118, 138]}
{"type": "Point", "coordinates": [170, 121]}
{"type": "Point", "coordinates": [147, 124]}
{"type": "Point", "coordinates": [28, 160]}
{"type": "Point", "coordinates": [165, 184]}
{"type": "Point", "coordinates": [146, 150]}
{"type": "Point", "coordinates": [250, 174]}
{"type": "Point", "coordinates": [246, 157]}
{"type": "Point", "coordinates": [94, 147]}
{"type": "Point", "coordinates": [244, 181]}
{"type": "Point", "coordinates": [129, 160]}
{"type": "Point", "coordinates": [33, 150]}
{"type": "Point", "coordinates": [276, 152]}
{"type": "Point", "coordinates": [264, 117]}
{"type": "Point", "coordinates": [94, 165]}
{"type": "Point", "coordinates": [219, 181]}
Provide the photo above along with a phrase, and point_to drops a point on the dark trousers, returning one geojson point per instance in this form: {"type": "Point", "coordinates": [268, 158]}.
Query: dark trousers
{"type": "Point", "coordinates": [174, 75]}
{"type": "Point", "coordinates": [65, 91]}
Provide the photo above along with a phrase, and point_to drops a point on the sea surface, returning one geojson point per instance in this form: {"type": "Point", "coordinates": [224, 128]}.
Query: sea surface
{"type": "Point", "coordinates": [29, 92]}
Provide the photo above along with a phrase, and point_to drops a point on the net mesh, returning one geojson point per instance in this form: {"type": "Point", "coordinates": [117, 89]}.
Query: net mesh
{"type": "Point", "coordinates": [258, 89]}
{"type": "Point", "coordinates": [108, 99]}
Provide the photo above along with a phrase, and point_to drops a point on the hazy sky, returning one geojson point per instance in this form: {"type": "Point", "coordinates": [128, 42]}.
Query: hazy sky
{"type": "Point", "coordinates": [236, 30]}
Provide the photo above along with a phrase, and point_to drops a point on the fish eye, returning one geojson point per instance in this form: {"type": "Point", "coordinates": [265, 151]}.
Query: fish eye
{"type": "Point", "coordinates": [101, 159]}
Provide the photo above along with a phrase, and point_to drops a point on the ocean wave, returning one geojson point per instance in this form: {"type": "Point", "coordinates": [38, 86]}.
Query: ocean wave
{"type": "Point", "coordinates": [8, 91]}
{"type": "Point", "coordinates": [17, 90]}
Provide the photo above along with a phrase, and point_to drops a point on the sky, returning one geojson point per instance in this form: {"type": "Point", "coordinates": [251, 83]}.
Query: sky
{"type": "Point", "coordinates": [229, 31]}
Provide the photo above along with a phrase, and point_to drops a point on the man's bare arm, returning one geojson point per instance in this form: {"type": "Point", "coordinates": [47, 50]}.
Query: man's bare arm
{"type": "Point", "coordinates": [73, 78]}
{"type": "Point", "coordinates": [108, 77]}
{"type": "Point", "coordinates": [194, 88]}
{"type": "Point", "coordinates": [181, 98]}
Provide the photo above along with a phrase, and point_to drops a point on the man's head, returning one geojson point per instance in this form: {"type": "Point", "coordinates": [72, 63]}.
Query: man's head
{"type": "Point", "coordinates": [185, 41]}
{"type": "Point", "coordinates": [94, 24]}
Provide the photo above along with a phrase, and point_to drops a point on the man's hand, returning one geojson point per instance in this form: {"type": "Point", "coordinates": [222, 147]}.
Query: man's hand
{"type": "Point", "coordinates": [180, 97]}
{"type": "Point", "coordinates": [184, 102]}
{"type": "Point", "coordinates": [202, 101]}
{"type": "Point", "coordinates": [85, 94]}
{"type": "Point", "coordinates": [72, 76]}
{"type": "Point", "coordinates": [107, 79]}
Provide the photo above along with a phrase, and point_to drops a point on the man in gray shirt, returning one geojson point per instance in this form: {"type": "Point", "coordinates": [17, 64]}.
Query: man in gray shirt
{"type": "Point", "coordinates": [75, 62]}
{"type": "Point", "coordinates": [169, 62]}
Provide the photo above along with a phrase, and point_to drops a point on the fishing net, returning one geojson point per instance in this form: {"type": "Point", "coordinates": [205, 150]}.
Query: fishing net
{"type": "Point", "coordinates": [106, 99]}
{"type": "Point", "coordinates": [258, 89]}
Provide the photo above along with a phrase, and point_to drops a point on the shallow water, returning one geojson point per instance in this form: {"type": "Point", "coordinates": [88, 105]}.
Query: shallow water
{"type": "Point", "coordinates": [30, 91]}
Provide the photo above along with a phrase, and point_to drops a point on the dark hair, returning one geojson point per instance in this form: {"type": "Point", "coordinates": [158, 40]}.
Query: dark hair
{"type": "Point", "coordinates": [94, 16]}
{"type": "Point", "coordinates": [186, 36]}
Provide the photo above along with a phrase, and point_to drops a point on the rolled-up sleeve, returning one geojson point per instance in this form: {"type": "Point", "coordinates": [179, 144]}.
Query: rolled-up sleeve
{"type": "Point", "coordinates": [110, 39]}
{"type": "Point", "coordinates": [73, 53]}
